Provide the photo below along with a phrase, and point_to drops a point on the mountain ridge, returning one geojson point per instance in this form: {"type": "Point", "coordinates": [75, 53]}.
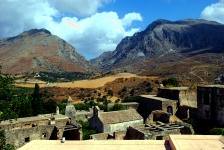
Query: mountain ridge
{"type": "Point", "coordinates": [38, 50]}
{"type": "Point", "coordinates": [164, 37]}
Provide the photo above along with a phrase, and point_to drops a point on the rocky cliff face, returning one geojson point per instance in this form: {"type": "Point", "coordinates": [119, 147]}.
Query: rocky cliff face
{"type": "Point", "coordinates": [37, 50]}
{"type": "Point", "coordinates": [163, 38]}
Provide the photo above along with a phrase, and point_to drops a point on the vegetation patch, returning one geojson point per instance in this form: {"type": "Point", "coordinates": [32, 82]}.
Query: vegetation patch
{"type": "Point", "coordinates": [63, 76]}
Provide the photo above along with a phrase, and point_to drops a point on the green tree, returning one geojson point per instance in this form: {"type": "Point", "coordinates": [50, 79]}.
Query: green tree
{"type": "Point", "coordinates": [217, 131]}
{"type": "Point", "coordinates": [110, 93]}
{"type": "Point", "coordinates": [170, 82]}
{"type": "Point", "coordinates": [21, 104]}
{"type": "Point", "coordinates": [7, 114]}
{"type": "Point", "coordinates": [49, 106]}
{"type": "Point", "coordinates": [117, 107]}
{"type": "Point", "coordinates": [5, 86]}
{"type": "Point", "coordinates": [86, 130]}
{"type": "Point", "coordinates": [37, 102]}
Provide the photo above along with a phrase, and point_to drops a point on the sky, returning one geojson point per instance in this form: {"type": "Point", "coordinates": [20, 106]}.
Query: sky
{"type": "Point", "coordinates": [97, 26]}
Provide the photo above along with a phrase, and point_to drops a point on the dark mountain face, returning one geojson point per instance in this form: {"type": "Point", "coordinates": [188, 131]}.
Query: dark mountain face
{"type": "Point", "coordinates": [37, 50]}
{"type": "Point", "coordinates": [163, 38]}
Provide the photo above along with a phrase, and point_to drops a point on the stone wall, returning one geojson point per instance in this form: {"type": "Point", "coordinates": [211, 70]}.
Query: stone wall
{"type": "Point", "coordinates": [133, 134]}
{"type": "Point", "coordinates": [127, 106]}
{"type": "Point", "coordinates": [120, 135]}
{"type": "Point", "coordinates": [83, 115]}
{"type": "Point", "coordinates": [158, 115]}
{"type": "Point", "coordinates": [210, 101]}
{"type": "Point", "coordinates": [47, 126]}
{"type": "Point", "coordinates": [184, 95]}
{"type": "Point", "coordinates": [121, 126]}
{"type": "Point", "coordinates": [149, 103]}
{"type": "Point", "coordinates": [188, 98]}
{"type": "Point", "coordinates": [19, 137]}
{"type": "Point", "coordinates": [146, 106]}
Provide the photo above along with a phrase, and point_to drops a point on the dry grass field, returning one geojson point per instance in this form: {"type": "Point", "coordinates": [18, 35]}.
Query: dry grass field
{"type": "Point", "coordinates": [94, 83]}
{"type": "Point", "coordinates": [91, 88]}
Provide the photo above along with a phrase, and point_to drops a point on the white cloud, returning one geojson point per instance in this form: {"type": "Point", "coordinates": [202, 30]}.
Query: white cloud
{"type": "Point", "coordinates": [95, 34]}
{"type": "Point", "coordinates": [128, 18]}
{"type": "Point", "coordinates": [80, 7]}
{"type": "Point", "coordinates": [214, 12]}
{"type": "Point", "coordinates": [91, 36]}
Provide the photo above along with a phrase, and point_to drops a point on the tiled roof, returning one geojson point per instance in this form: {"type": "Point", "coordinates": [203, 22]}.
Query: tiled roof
{"type": "Point", "coordinates": [119, 116]}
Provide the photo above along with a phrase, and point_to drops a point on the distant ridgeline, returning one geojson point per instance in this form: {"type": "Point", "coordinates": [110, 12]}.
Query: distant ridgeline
{"type": "Point", "coordinates": [63, 76]}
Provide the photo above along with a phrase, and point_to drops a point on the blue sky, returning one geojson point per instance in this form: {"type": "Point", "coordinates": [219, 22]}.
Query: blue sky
{"type": "Point", "coordinates": [97, 26]}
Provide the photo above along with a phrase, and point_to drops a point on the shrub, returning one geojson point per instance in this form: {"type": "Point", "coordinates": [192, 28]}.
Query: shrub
{"type": "Point", "coordinates": [171, 82]}
{"type": "Point", "coordinates": [217, 131]}
{"type": "Point", "coordinates": [117, 107]}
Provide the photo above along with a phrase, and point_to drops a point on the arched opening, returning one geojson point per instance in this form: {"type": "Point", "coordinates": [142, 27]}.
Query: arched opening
{"type": "Point", "coordinates": [170, 109]}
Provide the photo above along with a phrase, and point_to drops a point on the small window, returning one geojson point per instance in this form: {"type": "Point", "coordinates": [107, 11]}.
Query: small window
{"type": "Point", "coordinates": [44, 135]}
{"type": "Point", "coordinates": [159, 138]}
{"type": "Point", "coordinates": [27, 139]}
{"type": "Point", "coordinates": [207, 114]}
{"type": "Point", "coordinates": [206, 99]}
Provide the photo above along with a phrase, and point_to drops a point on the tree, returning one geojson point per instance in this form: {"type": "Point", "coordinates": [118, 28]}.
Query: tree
{"type": "Point", "coordinates": [117, 107]}
{"type": "Point", "coordinates": [37, 102]}
{"type": "Point", "coordinates": [170, 82]}
{"type": "Point", "coordinates": [110, 93]}
{"type": "Point", "coordinates": [7, 114]}
{"type": "Point", "coordinates": [5, 86]}
{"type": "Point", "coordinates": [49, 106]}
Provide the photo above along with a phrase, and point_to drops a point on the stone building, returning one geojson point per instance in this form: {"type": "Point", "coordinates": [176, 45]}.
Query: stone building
{"type": "Point", "coordinates": [210, 99]}
{"type": "Point", "coordinates": [184, 97]}
{"type": "Point", "coordinates": [114, 120]}
{"type": "Point", "coordinates": [42, 127]}
{"type": "Point", "coordinates": [149, 103]}
{"type": "Point", "coordinates": [160, 131]}
{"type": "Point", "coordinates": [129, 105]}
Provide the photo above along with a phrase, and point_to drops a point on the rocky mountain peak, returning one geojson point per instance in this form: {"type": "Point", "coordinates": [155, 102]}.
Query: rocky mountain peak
{"type": "Point", "coordinates": [38, 50]}
{"type": "Point", "coordinates": [163, 38]}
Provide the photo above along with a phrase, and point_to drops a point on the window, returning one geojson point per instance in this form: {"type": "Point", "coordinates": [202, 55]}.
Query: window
{"type": "Point", "coordinates": [44, 135]}
{"type": "Point", "coordinates": [170, 109]}
{"type": "Point", "coordinates": [206, 98]}
{"type": "Point", "coordinates": [27, 139]}
{"type": "Point", "coordinates": [207, 113]}
{"type": "Point", "coordinates": [159, 137]}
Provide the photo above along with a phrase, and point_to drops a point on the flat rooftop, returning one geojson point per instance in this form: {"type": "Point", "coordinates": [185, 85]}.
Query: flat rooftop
{"type": "Point", "coordinates": [196, 142]}
{"type": "Point", "coordinates": [155, 97]}
{"type": "Point", "coordinates": [216, 85]}
{"type": "Point", "coordinates": [177, 88]}
{"type": "Point", "coordinates": [175, 142]}
{"type": "Point", "coordinates": [33, 118]}
{"type": "Point", "coordinates": [97, 145]}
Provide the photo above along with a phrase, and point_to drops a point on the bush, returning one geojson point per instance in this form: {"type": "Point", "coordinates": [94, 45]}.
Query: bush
{"type": "Point", "coordinates": [130, 99]}
{"type": "Point", "coordinates": [86, 131]}
{"type": "Point", "coordinates": [171, 82]}
{"type": "Point", "coordinates": [117, 107]}
{"type": "Point", "coordinates": [217, 131]}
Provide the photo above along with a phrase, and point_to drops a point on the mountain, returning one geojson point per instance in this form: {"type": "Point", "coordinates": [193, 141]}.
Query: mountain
{"type": "Point", "coordinates": [166, 44]}
{"type": "Point", "coordinates": [38, 50]}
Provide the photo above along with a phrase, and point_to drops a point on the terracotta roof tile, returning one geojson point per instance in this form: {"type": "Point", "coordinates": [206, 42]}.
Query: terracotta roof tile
{"type": "Point", "coordinates": [119, 116]}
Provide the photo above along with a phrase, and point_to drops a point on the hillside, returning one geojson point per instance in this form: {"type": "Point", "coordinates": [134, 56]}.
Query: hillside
{"type": "Point", "coordinates": [85, 89]}
{"type": "Point", "coordinates": [190, 49]}
{"type": "Point", "coordinates": [38, 50]}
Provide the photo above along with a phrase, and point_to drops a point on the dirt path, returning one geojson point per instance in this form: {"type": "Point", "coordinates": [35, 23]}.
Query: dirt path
{"type": "Point", "coordinates": [95, 83]}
